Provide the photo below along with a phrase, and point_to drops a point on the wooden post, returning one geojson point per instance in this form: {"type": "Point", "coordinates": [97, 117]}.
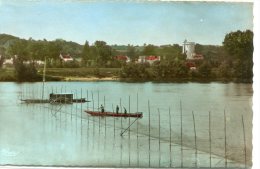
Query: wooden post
{"type": "Point", "coordinates": [81, 113]}
{"type": "Point", "coordinates": [137, 102]}
{"type": "Point", "coordinates": [225, 131]}
{"type": "Point", "coordinates": [88, 116]}
{"type": "Point", "coordinates": [71, 109]}
{"type": "Point", "coordinates": [137, 139]}
{"type": "Point", "coordinates": [129, 143]}
{"type": "Point", "coordinates": [60, 111]}
{"type": "Point", "coordinates": [65, 114]}
{"type": "Point", "coordinates": [210, 156]}
{"type": "Point", "coordinates": [98, 119]}
{"type": "Point", "coordinates": [104, 101]}
{"type": "Point", "coordinates": [121, 145]}
{"type": "Point", "coordinates": [159, 125]}
{"type": "Point", "coordinates": [170, 126]}
{"type": "Point", "coordinates": [105, 121]}
{"type": "Point", "coordinates": [195, 139]}
{"type": "Point", "coordinates": [105, 117]}
{"type": "Point", "coordinates": [181, 137]}
{"type": "Point", "coordinates": [105, 129]}
{"type": "Point", "coordinates": [88, 122]}
{"type": "Point", "coordinates": [76, 114]}
{"type": "Point", "coordinates": [93, 134]}
{"type": "Point", "coordinates": [121, 117]}
{"type": "Point", "coordinates": [87, 99]}
{"type": "Point", "coordinates": [114, 122]}
{"type": "Point", "coordinates": [43, 77]}
{"type": "Point", "coordinates": [244, 135]}
{"type": "Point", "coordinates": [149, 140]}
{"type": "Point", "coordinates": [93, 105]}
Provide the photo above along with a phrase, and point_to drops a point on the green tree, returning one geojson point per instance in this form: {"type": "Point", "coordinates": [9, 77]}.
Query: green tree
{"type": "Point", "coordinates": [35, 50]}
{"type": "Point", "coordinates": [85, 55]}
{"type": "Point", "coordinates": [19, 48]}
{"type": "Point", "coordinates": [225, 70]}
{"type": "Point", "coordinates": [239, 45]}
{"type": "Point", "coordinates": [104, 53]}
{"type": "Point", "coordinates": [1, 60]}
{"type": "Point", "coordinates": [54, 49]}
{"type": "Point", "coordinates": [131, 52]}
{"type": "Point", "coordinates": [25, 72]}
{"type": "Point", "coordinates": [149, 50]}
{"type": "Point", "coordinates": [205, 69]}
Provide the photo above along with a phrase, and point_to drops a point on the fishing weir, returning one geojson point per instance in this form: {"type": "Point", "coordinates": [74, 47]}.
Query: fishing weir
{"type": "Point", "coordinates": [161, 138]}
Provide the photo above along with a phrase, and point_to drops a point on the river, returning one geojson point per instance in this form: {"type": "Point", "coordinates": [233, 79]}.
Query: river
{"type": "Point", "coordinates": [64, 135]}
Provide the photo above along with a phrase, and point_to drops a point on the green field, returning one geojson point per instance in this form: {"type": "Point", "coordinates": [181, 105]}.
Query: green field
{"type": "Point", "coordinates": [8, 74]}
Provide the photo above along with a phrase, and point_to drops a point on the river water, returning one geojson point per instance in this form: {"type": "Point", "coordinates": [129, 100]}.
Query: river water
{"type": "Point", "coordinates": [64, 135]}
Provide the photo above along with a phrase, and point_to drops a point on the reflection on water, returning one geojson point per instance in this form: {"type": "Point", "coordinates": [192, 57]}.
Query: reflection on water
{"type": "Point", "coordinates": [45, 134]}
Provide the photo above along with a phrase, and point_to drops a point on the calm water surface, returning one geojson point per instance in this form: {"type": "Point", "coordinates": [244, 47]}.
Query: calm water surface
{"type": "Point", "coordinates": [44, 134]}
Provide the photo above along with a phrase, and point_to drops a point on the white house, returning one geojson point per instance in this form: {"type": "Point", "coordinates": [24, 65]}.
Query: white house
{"type": "Point", "coordinates": [148, 59]}
{"type": "Point", "coordinates": [66, 58]}
{"type": "Point", "coordinates": [8, 61]}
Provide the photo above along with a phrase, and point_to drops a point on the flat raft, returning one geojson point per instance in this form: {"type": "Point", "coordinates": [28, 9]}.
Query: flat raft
{"type": "Point", "coordinates": [98, 113]}
{"type": "Point", "coordinates": [53, 101]}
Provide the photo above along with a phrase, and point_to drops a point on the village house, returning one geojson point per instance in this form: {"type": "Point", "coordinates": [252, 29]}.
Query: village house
{"type": "Point", "coordinates": [66, 57]}
{"type": "Point", "coordinates": [123, 58]}
{"type": "Point", "coordinates": [188, 48]}
{"type": "Point", "coordinates": [148, 59]}
{"type": "Point", "coordinates": [191, 63]}
{"type": "Point", "coordinates": [8, 62]}
{"type": "Point", "coordinates": [36, 62]}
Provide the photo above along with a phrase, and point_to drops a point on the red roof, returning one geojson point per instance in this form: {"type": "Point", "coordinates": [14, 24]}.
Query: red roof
{"type": "Point", "coordinates": [121, 57]}
{"type": "Point", "coordinates": [190, 64]}
{"type": "Point", "coordinates": [66, 56]}
{"type": "Point", "coordinates": [152, 57]}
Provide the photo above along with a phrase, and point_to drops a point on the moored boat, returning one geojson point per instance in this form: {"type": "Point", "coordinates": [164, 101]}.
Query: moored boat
{"type": "Point", "coordinates": [59, 98]}
{"type": "Point", "coordinates": [113, 114]}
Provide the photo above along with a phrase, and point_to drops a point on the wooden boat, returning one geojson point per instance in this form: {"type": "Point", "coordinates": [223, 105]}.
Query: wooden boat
{"type": "Point", "coordinates": [113, 114]}
{"type": "Point", "coordinates": [35, 101]}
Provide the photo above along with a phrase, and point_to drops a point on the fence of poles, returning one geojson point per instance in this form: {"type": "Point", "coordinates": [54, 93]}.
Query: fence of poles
{"type": "Point", "coordinates": [116, 126]}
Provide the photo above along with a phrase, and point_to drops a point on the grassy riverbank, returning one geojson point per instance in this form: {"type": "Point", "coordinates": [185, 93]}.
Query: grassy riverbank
{"type": "Point", "coordinates": [105, 74]}
{"type": "Point", "coordinates": [7, 75]}
{"type": "Point", "coordinates": [68, 74]}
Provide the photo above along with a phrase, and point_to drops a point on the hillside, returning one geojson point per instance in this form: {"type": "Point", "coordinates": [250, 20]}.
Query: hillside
{"type": "Point", "coordinates": [6, 40]}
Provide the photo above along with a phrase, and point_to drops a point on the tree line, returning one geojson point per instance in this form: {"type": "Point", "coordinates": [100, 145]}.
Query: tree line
{"type": "Point", "coordinates": [232, 60]}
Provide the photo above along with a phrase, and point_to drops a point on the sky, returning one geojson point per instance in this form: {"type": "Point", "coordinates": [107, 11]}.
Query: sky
{"type": "Point", "coordinates": [125, 22]}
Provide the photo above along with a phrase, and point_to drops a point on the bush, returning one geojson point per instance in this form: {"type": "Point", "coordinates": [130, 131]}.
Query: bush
{"type": "Point", "coordinates": [169, 70]}
{"type": "Point", "coordinates": [25, 72]}
{"type": "Point", "coordinates": [135, 71]}
{"type": "Point", "coordinates": [205, 69]}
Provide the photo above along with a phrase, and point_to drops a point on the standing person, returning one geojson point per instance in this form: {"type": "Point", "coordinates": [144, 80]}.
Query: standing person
{"type": "Point", "coordinates": [117, 109]}
{"type": "Point", "coordinates": [125, 110]}
{"type": "Point", "coordinates": [102, 108]}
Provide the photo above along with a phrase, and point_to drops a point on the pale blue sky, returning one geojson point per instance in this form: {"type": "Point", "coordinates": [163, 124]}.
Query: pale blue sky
{"type": "Point", "coordinates": [125, 22]}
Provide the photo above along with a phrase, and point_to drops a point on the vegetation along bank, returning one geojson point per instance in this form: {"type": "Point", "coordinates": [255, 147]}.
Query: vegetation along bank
{"type": "Point", "coordinates": [23, 60]}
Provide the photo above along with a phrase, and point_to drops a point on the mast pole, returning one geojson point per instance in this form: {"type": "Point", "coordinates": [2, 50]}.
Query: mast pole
{"type": "Point", "coordinates": [43, 78]}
